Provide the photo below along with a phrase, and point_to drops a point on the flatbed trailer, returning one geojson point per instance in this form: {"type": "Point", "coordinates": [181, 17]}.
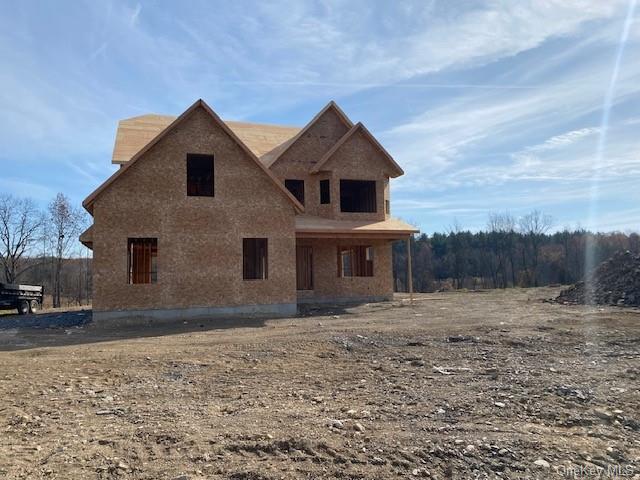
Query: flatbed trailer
{"type": "Point", "coordinates": [25, 298]}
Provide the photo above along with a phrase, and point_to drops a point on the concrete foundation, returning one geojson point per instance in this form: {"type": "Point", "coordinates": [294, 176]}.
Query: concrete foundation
{"type": "Point", "coordinates": [170, 315]}
{"type": "Point", "coordinates": [310, 300]}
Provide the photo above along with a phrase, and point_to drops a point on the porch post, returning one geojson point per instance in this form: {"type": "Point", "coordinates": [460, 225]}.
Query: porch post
{"type": "Point", "coordinates": [409, 273]}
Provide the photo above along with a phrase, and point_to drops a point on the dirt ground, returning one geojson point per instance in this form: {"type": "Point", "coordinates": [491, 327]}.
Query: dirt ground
{"type": "Point", "coordinates": [494, 384]}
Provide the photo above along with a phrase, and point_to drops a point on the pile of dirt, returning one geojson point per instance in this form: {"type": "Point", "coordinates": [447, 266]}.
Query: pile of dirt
{"type": "Point", "coordinates": [616, 281]}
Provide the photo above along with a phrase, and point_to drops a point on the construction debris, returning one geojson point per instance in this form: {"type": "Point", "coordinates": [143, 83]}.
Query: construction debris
{"type": "Point", "coordinates": [615, 281]}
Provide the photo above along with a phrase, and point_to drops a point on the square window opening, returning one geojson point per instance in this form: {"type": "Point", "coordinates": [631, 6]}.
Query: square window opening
{"type": "Point", "coordinates": [358, 196]}
{"type": "Point", "coordinates": [296, 187]}
{"type": "Point", "coordinates": [200, 170]}
{"type": "Point", "coordinates": [355, 261]}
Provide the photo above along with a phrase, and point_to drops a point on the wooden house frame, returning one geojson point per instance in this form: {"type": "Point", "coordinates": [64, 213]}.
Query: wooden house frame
{"type": "Point", "coordinates": [209, 218]}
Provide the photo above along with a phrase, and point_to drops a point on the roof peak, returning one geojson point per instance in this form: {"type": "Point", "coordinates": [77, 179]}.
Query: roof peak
{"type": "Point", "coordinates": [358, 127]}
{"type": "Point", "coordinates": [88, 202]}
{"type": "Point", "coordinates": [271, 157]}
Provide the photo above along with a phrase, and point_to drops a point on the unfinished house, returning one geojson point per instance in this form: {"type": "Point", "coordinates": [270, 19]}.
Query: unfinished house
{"type": "Point", "coordinates": [207, 218]}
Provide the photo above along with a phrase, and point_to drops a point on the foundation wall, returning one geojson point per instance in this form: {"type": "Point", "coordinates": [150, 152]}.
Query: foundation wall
{"type": "Point", "coordinates": [136, 317]}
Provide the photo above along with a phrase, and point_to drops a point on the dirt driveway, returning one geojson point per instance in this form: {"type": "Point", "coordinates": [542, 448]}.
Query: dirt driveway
{"type": "Point", "coordinates": [461, 385]}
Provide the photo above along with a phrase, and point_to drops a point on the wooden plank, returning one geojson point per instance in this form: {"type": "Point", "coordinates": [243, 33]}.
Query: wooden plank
{"type": "Point", "coordinates": [409, 272]}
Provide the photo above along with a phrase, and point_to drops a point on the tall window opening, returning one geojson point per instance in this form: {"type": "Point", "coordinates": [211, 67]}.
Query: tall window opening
{"type": "Point", "coordinates": [358, 196]}
{"type": "Point", "coordinates": [143, 260]}
{"type": "Point", "coordinates": [325, 192]}
{"type": "Point", "coordinates": [254, 258]}
{"type": "Point", "coordinates": [296, 187]}
{"type": "Point", "coordinates": [199, 175]}
{"type": "Point", "coordinates": [355, 261]}
{"type": "Point", "coordinates": [304, 267]}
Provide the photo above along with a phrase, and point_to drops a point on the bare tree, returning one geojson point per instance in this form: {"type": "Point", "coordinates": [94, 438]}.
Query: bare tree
{"type": "Point", "coordinates": [65, 224]}
{"type": "Point", "coordinates": [501, 243]}
{"type": "Point", "coordinates": [20, 223]}
{"type": "Point", "coordinates": [458, 247]}
{"type": "Point", "coordinates": [533, 227]}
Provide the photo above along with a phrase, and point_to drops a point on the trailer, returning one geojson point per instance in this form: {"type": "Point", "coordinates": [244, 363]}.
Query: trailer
{"type": "Point", "coordinates": [25, 298]}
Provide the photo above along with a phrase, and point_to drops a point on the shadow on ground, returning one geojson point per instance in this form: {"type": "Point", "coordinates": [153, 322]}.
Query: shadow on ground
{"type": "Point", "coordinates": [75, 328]}
{"type": "Point", "coordinates": [21, 332]}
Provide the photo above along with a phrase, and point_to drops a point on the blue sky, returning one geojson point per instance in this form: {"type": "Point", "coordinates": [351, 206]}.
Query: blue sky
{"type": "Point", "coordinates": [489, 106]}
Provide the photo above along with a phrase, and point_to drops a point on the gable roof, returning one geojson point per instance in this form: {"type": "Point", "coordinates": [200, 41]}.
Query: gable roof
{"type": "Point", "coordinates": [396, 170]}
{"type": "Point", "coordinates": [88, 202]}
{"type": "Point", "coordinates": [134, 133]}
{"type": "Point", "coordinates": [272, 157]}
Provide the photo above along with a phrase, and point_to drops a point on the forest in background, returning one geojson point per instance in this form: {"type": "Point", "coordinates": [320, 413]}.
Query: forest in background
{"type": "Point", "coordinates": [41, 247]}
{"type": "Point", "coordinates": [509, 252]}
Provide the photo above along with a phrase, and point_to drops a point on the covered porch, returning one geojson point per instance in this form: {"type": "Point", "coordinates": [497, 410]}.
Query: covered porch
{"type": "Point", "coordinates": [347, 261]}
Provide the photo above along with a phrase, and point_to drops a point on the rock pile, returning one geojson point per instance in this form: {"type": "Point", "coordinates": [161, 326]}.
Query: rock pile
{"type": "Point", "coordinates": [616, 281]}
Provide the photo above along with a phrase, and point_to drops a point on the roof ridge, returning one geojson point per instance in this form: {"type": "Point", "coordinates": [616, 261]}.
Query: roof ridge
{"type": "Point", "coordinates": [247, 122]}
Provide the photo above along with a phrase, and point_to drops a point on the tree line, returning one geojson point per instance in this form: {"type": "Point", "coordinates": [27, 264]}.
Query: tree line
{"type": "Point", "coordinates": [508, 252]}
{"type": "Point", "coordinates": [41, 247]}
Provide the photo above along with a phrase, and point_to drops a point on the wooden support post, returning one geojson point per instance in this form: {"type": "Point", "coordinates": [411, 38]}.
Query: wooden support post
{"type": "Point", "coordinates": [409, 272]}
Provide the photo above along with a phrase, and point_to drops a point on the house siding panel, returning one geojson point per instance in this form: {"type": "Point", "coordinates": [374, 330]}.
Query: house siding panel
{"type": "Point", "coordinates": [327, 286]}
{"type": "Point", "coordinates": [199, 238]}
{"type": "Point", "coordinates": [302, 155]}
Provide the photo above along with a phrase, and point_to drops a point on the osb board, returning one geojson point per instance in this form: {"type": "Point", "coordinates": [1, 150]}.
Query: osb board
{"type": "Point", "coordinates": [307, 224]}
{"type": "Point", "coordinates": [134, 133]}
{"type": "Point", "coordinates": [302, 155]}
{"type": "Point", "coordinates": [327, 284]}
{"type": "Point", "coordinates": [199, 238]}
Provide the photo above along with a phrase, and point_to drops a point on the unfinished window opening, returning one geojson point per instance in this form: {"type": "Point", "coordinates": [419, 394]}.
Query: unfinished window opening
{"type": "Point", "coordinates": [358, 196]}
{"type": "Point", "coordinates": [199, 175]}
{"type": "Point", "coordinates": [355, 261]}
{"type": "Point", "coordinates": [142, 260]}
{"type": "Point", "coordinates": [387, 207]}
{"type": "Point", "coordinates": [325, 192]}
{"type": "Point", "coordinates": [304, 267]}
{"type": "Point", "coordinates": [254, 258]}
{"type": "Point", "coordinates": [296, 187]}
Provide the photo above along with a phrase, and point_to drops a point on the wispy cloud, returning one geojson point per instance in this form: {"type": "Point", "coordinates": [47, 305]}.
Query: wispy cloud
{"type": "Point", "coordinates": [135, 15]}
{"type": "Point", "coordinates": [563, 140]}
{"type": "Point", "coordinates": [469, 97]}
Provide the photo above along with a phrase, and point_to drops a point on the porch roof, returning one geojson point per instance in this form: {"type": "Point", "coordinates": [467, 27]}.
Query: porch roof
{"type": "Point", "coordinates": [86, 237]}
{"type": "Point", "coordinates": [308, 226]}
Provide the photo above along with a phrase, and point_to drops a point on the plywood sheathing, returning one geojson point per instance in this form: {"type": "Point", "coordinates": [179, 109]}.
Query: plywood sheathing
{"type": "Point", "coordinates": [361, 130]}
{"type": "Point", "coordinates": [327, 285]}
{"type": "Point", "coordinates": [88, 202]}
{"type": "Point", "coordinates": [297, 161]}
{"type": "Point", "coordinates": [316, 137]}
{"type": "Point", "coordinates": [358, 158]}
{"type": "Point", "coordinates": [311, 226]}
{"type": "Point", "coordinates": [134, 133]}
{"type": "Point", "coordinates": [199, 238]}
{"type": "Point", "coordinates": [86, 237]}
